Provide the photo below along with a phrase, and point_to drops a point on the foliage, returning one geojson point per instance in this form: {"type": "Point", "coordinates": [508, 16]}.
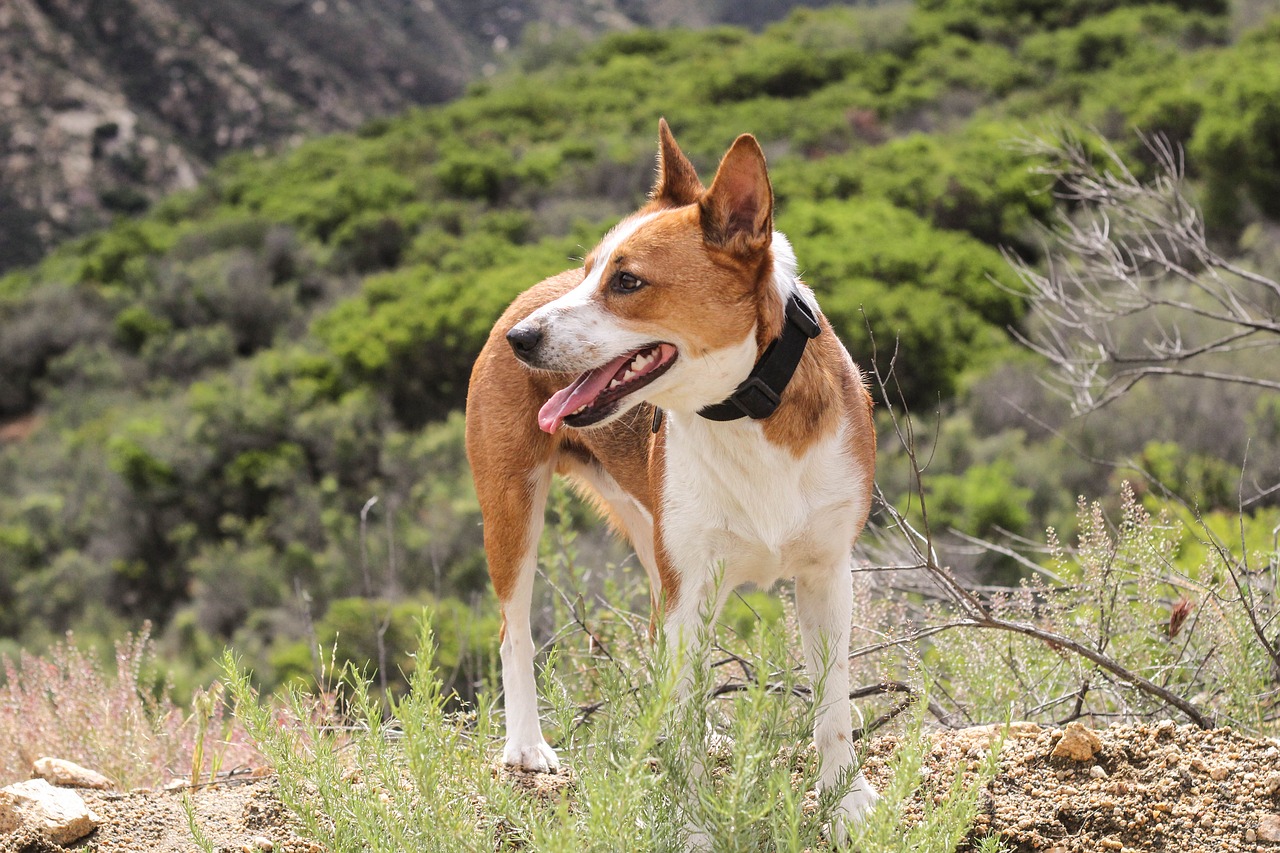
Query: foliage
{"type": "Point", "coordinates": [426, 779]}
{"type": "Point", "coordinates": [196, 403]}
{"type": "Point", "coordinates": [123, 724]}
{"type": "Point", "coordinates": [1176, 604]}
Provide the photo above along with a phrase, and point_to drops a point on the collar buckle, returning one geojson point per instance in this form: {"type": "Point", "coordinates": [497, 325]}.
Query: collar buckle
{"type": "Point", "coordinates": [755, 399]}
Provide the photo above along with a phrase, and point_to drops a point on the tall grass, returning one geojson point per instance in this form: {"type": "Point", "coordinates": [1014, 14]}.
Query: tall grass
{"type": "Point", "coordinates": [66, 704]}
{"type": "Point", "coordinates": [422, 774]}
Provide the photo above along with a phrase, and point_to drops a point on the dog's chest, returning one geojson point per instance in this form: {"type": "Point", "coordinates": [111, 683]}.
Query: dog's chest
{"type": "Point", "coordinates": [731, 497]}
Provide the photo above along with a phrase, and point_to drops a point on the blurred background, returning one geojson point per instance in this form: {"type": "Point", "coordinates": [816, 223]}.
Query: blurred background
{"type": "Point", "coordinates": [249, 252]}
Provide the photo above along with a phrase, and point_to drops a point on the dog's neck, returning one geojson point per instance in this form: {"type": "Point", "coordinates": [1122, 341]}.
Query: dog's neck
{"type": "Point", "coordinates": [759, 394]}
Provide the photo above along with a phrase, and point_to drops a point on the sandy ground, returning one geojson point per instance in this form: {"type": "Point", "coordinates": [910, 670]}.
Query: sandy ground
{"type": "Point", "coordinates": [1149, 787]}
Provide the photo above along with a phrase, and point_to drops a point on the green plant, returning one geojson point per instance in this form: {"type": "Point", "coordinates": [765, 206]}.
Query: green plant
{"type": "Point", "coordinates": [65, 704]}
{"type": "Point", "coordinates": [420, 775]}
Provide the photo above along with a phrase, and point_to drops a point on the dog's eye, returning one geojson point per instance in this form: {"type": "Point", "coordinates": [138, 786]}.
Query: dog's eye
{"type": "Point", "coordinates": [625, 282]}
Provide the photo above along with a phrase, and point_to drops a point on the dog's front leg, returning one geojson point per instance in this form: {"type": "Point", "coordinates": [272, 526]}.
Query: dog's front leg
{"type": "Point", "coordinates": [686, 624]}
{"type": "Point", "coordinates": [512, 527]}
{"type": "Point", "coordinates": [824, 605]}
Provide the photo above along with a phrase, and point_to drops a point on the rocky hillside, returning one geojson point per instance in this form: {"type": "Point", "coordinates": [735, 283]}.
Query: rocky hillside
{"type": "Point", "coordinates": [105, 105]}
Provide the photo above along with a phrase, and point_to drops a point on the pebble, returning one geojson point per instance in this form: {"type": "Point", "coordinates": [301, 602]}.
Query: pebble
{"type": "Point", "coordinates": [1077, 743]}
{"type": "Point", "coordinates": [68, 774]}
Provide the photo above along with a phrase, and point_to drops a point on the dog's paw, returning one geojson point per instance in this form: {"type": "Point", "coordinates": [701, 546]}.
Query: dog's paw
{"type": "Point", "coordinates": [853, 807]}
{"type": "Point", "coordinates": [537, 757]}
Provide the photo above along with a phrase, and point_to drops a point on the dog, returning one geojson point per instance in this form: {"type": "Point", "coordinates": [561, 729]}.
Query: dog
{"type": "Point", "coordinates": [685, 379]}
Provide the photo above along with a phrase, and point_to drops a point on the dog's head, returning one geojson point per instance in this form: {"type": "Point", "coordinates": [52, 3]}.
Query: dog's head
{"type": "Point", "coordinates": [678, 299]}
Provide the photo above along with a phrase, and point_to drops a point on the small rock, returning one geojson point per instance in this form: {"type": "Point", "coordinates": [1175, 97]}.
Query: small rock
{"type": "Point", "coordinates": [1269, 828]}
{"type": "Point", "coordinates": [1097, 771]}
{"type": "Point", "coordinates": [67, 774]}
{"type": "Point", "coordinates": [1022, 728]}
{"type": "Point", "coordinates": [57, 814]}
{"type": "Point", "coordinates": [1078, 743]}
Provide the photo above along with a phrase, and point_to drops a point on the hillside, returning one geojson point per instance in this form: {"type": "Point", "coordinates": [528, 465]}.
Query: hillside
{"type": "Point", "coordinates": [197, 404]}
{"type": "Point", "coordinates": [111, 104]}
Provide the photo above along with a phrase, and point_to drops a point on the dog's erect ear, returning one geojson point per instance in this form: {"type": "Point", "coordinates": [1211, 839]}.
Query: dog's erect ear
{"type": "Point", "coordinates": [737, 212]}
{"type": "Point", "coordinates": [677, 183]}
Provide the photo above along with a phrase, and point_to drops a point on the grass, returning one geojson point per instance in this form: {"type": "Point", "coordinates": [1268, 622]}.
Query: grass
{"type": "Point", "coordinates": [421, 774]}
{"type": "Point", "coordinates": [66, 704]}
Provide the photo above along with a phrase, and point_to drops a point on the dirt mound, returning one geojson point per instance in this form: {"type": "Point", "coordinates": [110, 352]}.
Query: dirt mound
{"type": "Point", "coordinates": [1146, 787]}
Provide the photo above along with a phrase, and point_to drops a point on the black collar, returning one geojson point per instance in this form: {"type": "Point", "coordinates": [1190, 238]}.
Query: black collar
{"type": "Point", "coordinates": [761, 392]}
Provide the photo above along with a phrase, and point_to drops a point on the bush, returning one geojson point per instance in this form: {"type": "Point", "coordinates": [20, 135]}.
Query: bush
{"type": "Point", "coordinates": [415, 333]}
{"type": "Point", "coordinates": [50, 321]}
{"type": "Point", "coordinates": [66, 704]}
{"type": "Point", "coordinates": [633, 779]}
{"type": "Point", "coordinates": [774, 70]}
{"type": "Point", "coordinates": [1238, 138]}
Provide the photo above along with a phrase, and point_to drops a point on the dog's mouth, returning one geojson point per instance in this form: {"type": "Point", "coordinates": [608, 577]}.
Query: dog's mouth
{"type": "Point", "coordinates": [596, 394]}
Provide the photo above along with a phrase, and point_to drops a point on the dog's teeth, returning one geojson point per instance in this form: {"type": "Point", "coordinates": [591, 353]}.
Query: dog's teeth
{"type": "Point", "coordinates": [629, 375]}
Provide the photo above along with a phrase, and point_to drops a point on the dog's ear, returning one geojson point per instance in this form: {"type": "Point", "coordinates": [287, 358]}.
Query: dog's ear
{"type": "Point", "coordinates": [677, 183]}
{"type": "Point", "coordinates": [737, 212]}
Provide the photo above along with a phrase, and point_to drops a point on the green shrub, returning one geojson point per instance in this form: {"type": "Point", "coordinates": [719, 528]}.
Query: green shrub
{"type": "Point", "coordinates": [1202, 481]}
{"type": "Point", "coordinates": [776, 70]}
{"type": "Point", "coordinates": [1238, 138]}
{"type": "Point", "coordinates": [107, 258]}
{"type": "Point", "coordinates": [428, 782]}
{"type": "Point", "coordinates": [135, 325]}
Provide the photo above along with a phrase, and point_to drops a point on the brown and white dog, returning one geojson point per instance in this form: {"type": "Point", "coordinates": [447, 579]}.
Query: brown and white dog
{"type": "Point", "coordinates": [679, 308]}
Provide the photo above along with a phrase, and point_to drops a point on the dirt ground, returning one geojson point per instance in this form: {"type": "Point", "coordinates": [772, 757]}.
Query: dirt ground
{"type": "Point", "coordinates": [1148, 787]}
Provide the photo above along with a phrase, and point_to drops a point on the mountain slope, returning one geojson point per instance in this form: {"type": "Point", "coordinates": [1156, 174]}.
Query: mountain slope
{"type": "Point", "coordinates": [106, 105]}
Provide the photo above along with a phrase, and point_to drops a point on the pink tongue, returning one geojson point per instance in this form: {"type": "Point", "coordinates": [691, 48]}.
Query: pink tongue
{"type": "Point", "coordinates": [584, 389]}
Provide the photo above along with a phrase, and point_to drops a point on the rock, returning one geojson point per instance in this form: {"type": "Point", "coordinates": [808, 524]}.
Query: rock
{"type": "Point", "coordinates": [1269, 828]}
{"type": "Point", "coordinates": [68, 774]}
{"type": "Point", "coordinates": [57, 814]}
{"type": "Point", "coordinates": [1078, 743]}
{"type": "Point", "coordinates": [1097, 771]}
{"type": "Point", "coordinates": [980, 738]}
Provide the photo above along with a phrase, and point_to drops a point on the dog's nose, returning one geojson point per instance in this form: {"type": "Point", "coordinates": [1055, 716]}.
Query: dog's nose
{"type": "Point", "coordinates": [524, 341]}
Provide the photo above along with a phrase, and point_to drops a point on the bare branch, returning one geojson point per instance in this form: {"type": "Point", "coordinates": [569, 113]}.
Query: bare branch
{"type": "Point", "coordinates": [1130, 288]}
{"type": "Point", "coordinates": [973, 612]}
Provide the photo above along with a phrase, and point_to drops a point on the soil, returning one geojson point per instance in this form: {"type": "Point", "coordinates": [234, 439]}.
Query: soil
{"type": "Point", "coordinates": [1147, 787]}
